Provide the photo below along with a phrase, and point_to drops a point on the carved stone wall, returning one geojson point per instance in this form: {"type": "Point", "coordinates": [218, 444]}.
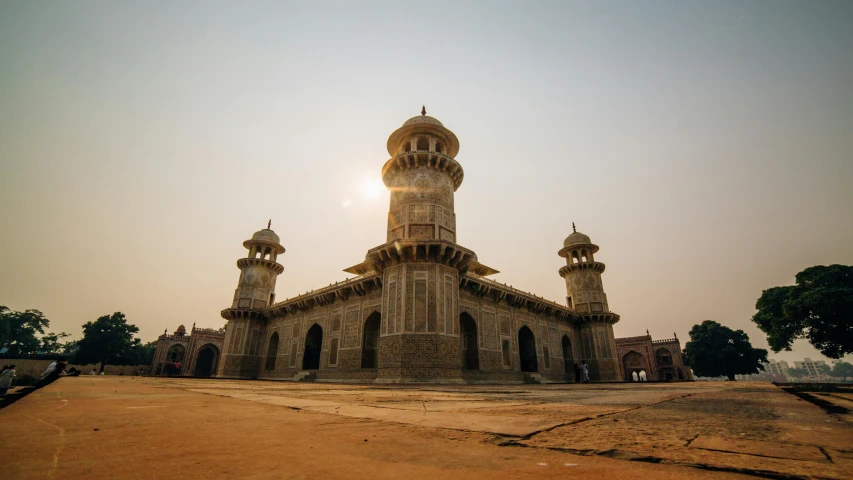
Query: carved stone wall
{"type": "Point", "coordinates": [421, 206]}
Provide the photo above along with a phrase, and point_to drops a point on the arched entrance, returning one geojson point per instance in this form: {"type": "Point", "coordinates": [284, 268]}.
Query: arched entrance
{"type": "Point", "coordinates": [272, 351]}
{"type": "Point", "coordinates": [527, 350]}
{"type": "Point", "coordinates": [206, 360]}
{"type": "Point", "coordinates": [663, 357]}
{"type": "Point", "coordinates": [633, 363]}
{"type": "Point", "coordinates": [470, 353]}
{"type": "Point", "coordinates": [174, 360]}
{"type": "Point", "coordinates": [568, 360]}
{"type": "Point", "coordinates": [370, 341]}
{"type": "Point", "coordinates": [313, 345]}
{"type": "Point", "coordinates": [666, 374]}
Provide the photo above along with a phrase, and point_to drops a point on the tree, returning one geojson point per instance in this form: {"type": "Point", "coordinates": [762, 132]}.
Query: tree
{"type": "Point", "coordinates": [819, 307]}
{"type": "Point", "coordinates": [50, 343]}
{"type": "Point", "coordinates": [107, 340]}
{"type": "Point", "coordinates": [798, 372]}
{"type": "Point", "coordinates": [18, 330]}
{"type": "Point", "coordinates": [716, 350]}
{"type": "Point", "coordinates": [842, 369]}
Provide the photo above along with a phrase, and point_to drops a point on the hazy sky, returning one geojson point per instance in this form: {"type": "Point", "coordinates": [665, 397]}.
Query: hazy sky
{"type": "Point", "coordinates": [707, 148]}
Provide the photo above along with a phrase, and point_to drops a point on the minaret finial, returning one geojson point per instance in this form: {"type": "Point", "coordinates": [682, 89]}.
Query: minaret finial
{"type": "Point", "coordinates": [423, 109]}
{"type": "Point", "coordinates": [269, 224]}
{"type": "Point", "coordinates": [575, 230]}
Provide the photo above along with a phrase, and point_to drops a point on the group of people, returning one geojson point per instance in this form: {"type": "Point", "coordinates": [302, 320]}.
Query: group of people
{"type": "Point", "coordinates": [583, 369]}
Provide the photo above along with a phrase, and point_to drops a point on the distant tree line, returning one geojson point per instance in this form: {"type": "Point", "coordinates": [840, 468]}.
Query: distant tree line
{"type": "Point", "coordinates": [109, 340]}
{"type": "Point", "coordinates": [819, 308]}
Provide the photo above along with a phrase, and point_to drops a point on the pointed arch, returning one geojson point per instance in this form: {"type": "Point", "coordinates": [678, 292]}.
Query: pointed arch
{"type": "Point", "coordinates": [370, 341]}
{"type": "Point", "coordinates": [272, 351]}
{"type": "Point", "coordinates": [527, 350]}
{"type": "Point", "coordinates": [468, 337]}
{"type": "Point", "coordinates": [313, 346]}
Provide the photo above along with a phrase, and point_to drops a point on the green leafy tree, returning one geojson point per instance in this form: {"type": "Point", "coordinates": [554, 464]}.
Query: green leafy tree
{"type": "Point", "coordinates": [716, 350]}
{"type": "Point", "coordinates": [50, 343]}
{"type": "Point", "coordinates": [819, 307]}
{"type": "Point", "coordinates": [842, 369]}
{"type": "Point", "coordinates": [107, 340]}
{"type": "Point", "coordinates": [19, 330]}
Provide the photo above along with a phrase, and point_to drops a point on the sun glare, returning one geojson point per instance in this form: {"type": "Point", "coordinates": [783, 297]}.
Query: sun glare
{"type": "Point", "coordinates": [372, 188]}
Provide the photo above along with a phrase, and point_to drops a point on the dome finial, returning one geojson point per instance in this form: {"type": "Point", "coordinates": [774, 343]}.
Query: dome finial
{"type": "Point", "coordinates": [269, 224]}
{"type": "Point", "coordinates": [423, 109]}
{"type": "Point", "coordinates": [574, 230]}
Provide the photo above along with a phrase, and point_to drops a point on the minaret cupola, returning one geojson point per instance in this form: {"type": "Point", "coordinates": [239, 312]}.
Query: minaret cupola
{"type": "Point", "coordinates": [584, 290]}
{"type": "Point", "coordinates": [422, 175]}
{"type": "Point", "coordinates": [258, 271]}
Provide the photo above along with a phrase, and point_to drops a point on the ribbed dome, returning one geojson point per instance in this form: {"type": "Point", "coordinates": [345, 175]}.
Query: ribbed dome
{"type": "Point", "coordinates": [266, 235]}
{"type": "Point", "coordinates": [576, 238]}
{"type": "Point", "coordinates": [181, 330]}
{"type": "Point", "coordinates": [423, 119]}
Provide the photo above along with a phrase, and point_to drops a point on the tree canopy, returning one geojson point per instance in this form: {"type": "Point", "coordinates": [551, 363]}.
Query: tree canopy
{"type": "Point", "coordinates": [108, 340]}
{"type": "Point", "coordinates": [716, 350]}
{"type": "Point", "coordinates": [819, 307]}
{"type": "Point", "coordinates": [19, 332]}
{"type": "Point", "coordinates": [842, 370]}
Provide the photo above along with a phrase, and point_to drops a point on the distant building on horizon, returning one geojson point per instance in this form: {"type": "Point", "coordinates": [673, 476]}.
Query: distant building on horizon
{"type": "Point", "coordinates": [810, 366]}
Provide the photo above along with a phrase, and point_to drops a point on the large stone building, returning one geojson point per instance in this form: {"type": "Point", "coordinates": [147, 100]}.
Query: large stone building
{"type": "Point", "coordinates": [420, 308]}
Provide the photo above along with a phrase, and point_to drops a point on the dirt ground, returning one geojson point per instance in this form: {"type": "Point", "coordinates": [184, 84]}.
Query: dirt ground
{"type": "Point", "coordinates": [138, 427]}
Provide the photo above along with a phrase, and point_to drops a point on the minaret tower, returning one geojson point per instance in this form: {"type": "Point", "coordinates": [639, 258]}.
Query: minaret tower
{"type": "Point", "coordinates": [421, 262]}
{"type": "Point", "coordinates": [422, 175]}
{"type": "Point", "coordinates": [585, 295]}
{"type": "Point", "coordinates": [255, 292]}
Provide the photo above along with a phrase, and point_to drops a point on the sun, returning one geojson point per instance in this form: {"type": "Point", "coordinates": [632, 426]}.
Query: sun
{"type": "Point", "coordinates": [372, 188]}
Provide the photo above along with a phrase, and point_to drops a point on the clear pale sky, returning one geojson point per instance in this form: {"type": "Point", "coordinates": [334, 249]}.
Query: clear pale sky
{"type": "Point", "coordinates": [707, 148]}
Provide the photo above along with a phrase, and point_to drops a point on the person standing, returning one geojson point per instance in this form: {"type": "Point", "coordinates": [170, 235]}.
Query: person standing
{"type": "Point", "coordinates": [585, 373]}
{"type": "Point", "coordinates": [6, 379]}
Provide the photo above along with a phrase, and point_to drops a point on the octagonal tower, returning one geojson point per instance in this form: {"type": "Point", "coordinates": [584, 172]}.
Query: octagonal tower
{"type": "Point", "coordinates": [421, 264]}
{"type": "Point", "coordinates": [255, 292]}
{"type": "Point", "coordinates": [585, 294]}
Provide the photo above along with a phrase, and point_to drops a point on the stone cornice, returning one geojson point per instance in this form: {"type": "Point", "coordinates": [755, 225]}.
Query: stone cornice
{"type": "Point", "coordinates": [604, 317]}
{"type": "Point", "coordinates": [325, 296]}
{"type": "Point", "coordinates": [438, 251]}
{"type": "Point", "coordinates": [237, 313]}
{"type": "Point", "coordinates": [594, 266]}
{"type": "Point", "coordinates": [275, 267]}
{"type": "Point", "coordinates": [422, 158]}
{"type": "Point", "coordinates": [515, 298]}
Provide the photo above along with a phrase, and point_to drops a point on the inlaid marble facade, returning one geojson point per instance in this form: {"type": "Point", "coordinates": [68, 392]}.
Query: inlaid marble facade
{"type": "Point", "coordinates": [421, 307]}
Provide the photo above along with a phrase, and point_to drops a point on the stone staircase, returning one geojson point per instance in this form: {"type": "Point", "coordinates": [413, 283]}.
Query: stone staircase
{"type": "Point", "coordinates": [534, 378]}
{"type": "Point", "coordinates": [305, 377]}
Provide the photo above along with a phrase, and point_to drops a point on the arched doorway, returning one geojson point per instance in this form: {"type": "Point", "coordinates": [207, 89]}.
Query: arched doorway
{"type": "Point", "coordinates": [666, 374]}
{"type": "Point", "coordinates": [527, 350]}
{"type": "Point", "coordinates": [468, 337]}
{"type": "Point", "coordinates": [370, 341]}
{"type": "Point", "coordinates": [206, 360]}
{"type": "Point", "coordinates": [313, 345]}
{"type": "Point", "coordinates": [174, 360]}
{"type": "Point", "coordinates": [568, 360]}
{"type": "Point", "coordinates": [272, 351]}
{"type": "Point", "coordinates": [632, 363]}
{"type": "Point", "coordinates": [663, 357]}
